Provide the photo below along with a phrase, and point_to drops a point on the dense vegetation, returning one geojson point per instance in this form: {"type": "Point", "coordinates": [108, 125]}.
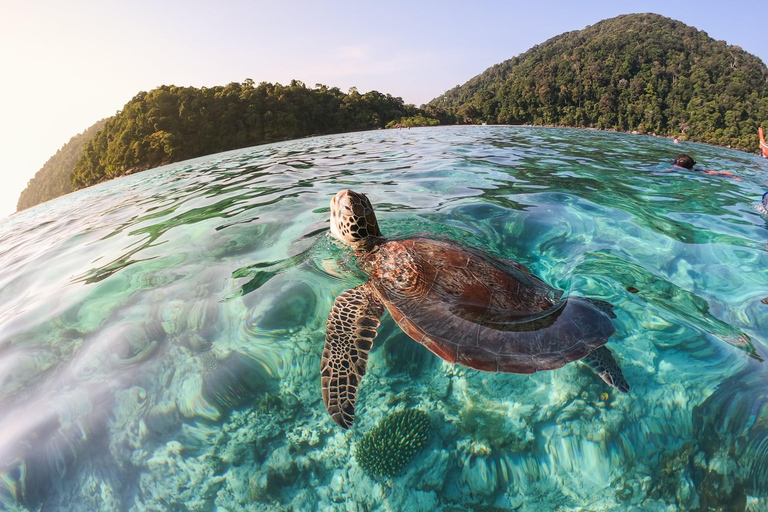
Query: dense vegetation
{"type": "Point", "coordinates": [52, 180]}
{"type": "Point", "coordinates": [171, 123]}
{"type": "Point", "coordinates": [639, 72]}
{"type": "Point", "coordinates": [410, 122]}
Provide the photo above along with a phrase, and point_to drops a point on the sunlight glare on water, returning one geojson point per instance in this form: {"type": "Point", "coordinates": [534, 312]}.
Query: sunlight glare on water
{"type": "Point", "coordinates": [160, 334]}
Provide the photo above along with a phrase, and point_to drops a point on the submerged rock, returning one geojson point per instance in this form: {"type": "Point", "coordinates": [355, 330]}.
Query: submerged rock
{"type": "Point", "coordinates": [223, 382]}
{"type": "Point", "coordinates": [285, 308]}
{"type": "Point", "coordinates": [233, 380]}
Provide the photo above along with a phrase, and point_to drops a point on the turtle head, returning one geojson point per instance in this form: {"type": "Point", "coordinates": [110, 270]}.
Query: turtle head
{"type": "Point", "coordinates": [352, 218]}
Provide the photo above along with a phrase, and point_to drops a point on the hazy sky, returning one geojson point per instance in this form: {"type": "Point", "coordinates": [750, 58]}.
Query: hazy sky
{"type": "Point", "coordinates": [65, 65]}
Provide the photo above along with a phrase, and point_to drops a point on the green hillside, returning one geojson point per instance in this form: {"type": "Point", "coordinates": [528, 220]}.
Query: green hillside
{"type": "Point", "coordinates": [639, 72]}
{"type": "Point", "coordinates": [169, 124]}
{"type": "Point", "coordinates": [52, 180]}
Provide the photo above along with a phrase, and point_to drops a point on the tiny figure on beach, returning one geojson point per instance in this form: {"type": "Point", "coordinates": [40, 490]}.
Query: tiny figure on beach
{"type": "Point", "coordinates": [686, 162]}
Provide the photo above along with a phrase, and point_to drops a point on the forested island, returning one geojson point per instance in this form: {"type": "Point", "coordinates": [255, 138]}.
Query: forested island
{"type": "Point", "coordinates": [640, 72]}
{"type": "Point", "coordinates": [637, 72]}
{"type": "Point", "coordinates": [169, 124]}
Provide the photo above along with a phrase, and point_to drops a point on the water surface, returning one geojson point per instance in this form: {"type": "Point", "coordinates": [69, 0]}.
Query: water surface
{"type": "Point", "coordinates": [160, 334]}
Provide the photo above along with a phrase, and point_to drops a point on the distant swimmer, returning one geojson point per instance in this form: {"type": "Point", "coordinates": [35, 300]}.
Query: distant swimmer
{"type": "Point", "coordinates": [686, 162]}
{"type": "Point", "coordinates": [677, 141]}
{"type": "Point", "coordinates": [763, 206]}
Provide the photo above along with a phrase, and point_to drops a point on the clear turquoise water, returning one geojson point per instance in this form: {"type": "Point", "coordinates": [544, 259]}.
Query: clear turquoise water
{"type": "Point", "coordinates": [160, 334]}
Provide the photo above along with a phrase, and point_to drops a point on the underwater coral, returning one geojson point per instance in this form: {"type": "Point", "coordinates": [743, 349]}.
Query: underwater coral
{"type": "Point", "coordinates": [390, 446]}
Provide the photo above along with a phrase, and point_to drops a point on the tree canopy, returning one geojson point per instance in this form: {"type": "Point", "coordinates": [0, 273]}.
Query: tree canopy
{"type": "Point", "coordinates": [172, 123]}
{"type": "Point", "coordinates": [639, 72]}
{"type": "Point", "coordinates": [409, 122]}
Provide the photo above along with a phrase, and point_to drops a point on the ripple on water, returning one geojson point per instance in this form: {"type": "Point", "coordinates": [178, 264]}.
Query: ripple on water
{"type": "Point", "coordinates": [160, 334]}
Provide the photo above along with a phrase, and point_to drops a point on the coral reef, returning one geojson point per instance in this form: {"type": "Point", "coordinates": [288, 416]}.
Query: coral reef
{"type": "Point", "coordinates": [390, 446]}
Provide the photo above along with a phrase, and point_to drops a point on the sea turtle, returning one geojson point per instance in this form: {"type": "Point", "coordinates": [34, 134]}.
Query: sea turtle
{"type": "Point", "coordinates": [464, 305]}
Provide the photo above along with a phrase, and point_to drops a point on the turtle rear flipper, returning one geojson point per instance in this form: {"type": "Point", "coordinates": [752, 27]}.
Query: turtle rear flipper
{"type": "Point", "coordinates": [603, 363]}
{"type": "Point", "coordinates": [350, 331]}
{"type": "Point", "coordinates": [605, 307]}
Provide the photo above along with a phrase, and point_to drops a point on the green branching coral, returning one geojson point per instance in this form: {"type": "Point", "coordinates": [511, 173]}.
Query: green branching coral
{"type": "Point", "coordinates": [390, 446]}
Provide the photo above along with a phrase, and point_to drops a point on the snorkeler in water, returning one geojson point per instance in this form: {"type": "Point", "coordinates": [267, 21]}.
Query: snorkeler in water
{"type": "Point", "coordinates": [686, 162]}
{"type": "Point", "coordinates": [763, 206]}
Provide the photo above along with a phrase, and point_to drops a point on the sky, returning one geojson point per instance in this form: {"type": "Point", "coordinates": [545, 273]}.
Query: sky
{"type": "Point", "coordinates": [65, 65]}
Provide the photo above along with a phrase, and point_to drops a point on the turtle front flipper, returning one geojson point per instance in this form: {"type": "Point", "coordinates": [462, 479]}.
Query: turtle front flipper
{"type": "Point", "coordinates": [349, 336]}
{"type": "Point", "coordinates": [603, 363]}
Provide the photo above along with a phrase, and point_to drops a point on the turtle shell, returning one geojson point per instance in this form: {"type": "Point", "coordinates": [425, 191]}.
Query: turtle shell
{"type": "Point", "coordinates": [470, 308]}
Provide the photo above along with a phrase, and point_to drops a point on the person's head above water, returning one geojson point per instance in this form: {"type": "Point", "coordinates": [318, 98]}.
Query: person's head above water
{"type": "Point", "coordinates": [763, 206]}
{"type": "Point", "coordinates": [685, 162]}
